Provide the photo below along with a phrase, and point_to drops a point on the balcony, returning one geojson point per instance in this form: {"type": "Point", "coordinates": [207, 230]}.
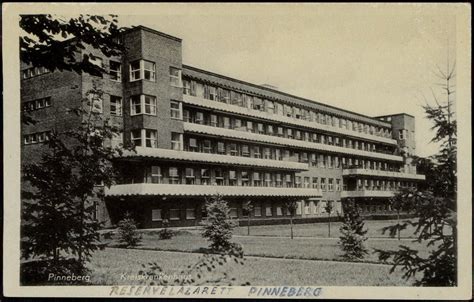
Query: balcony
{"type": "Point", "coordinates": [384, 174]}
{"type": "Point", "coordinates": [219, 159]}
{"type": "Point", "coordinates": [367, 193]}
{"type": "Point", "coordinates": [248, 136]}
{"type": "Point", "coordinates": [201, 102]}
{"type": "Point", "coordinates": [202, 190]}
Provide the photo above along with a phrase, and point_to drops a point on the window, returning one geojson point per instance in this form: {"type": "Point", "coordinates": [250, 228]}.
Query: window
{"type": "Point", "coordinates": [150, 138]}
{"type": "Point", "coordinates": [232, 177]}
{"type": "Point", "coordinates": [257, 182]}
{"type": "Point", "coordinates": [257, 211]}
{"type": "Point", "coordinates": [279, 211]}
{"type": "Point", "coordinates": [306, 208]}
{"type": "Point", "coordinates": [245, 150]}
{"type": "Point", "coordinates": [315, 183]}
{"type": "Point", "coordinates": [268, 211]}
{"type": "Point", "coordinates": [205, 176]}
{"type": "Point", "coordinates": [199, 119]}
{"type": "Point", "coordinates": [298, 208]}
{"type": "Point", "coordinates": [190, 214]}
{"type": "Point", "coordinates": [115, 105]}
{"type": "Point", "coordinates": [136, 137]}
{"type": "Point", "coordinates": [115, 71]}
{"type": "Point", "coordinates": [175, 77]}
{"type": "Point", "coordinates": [156, 215]}
{"type": "Point", "coordinates": [213, 120]}
{"type": "Point", "coordinates": [256, 152]}
{"type": "Point", "coordinates": [142, 104]}
{"type": "Point", "coordinates": [36, 137]}
{"type": "Point", "coordinates": [206, 146]}
{"type": "Point", "coordinates": [176, 141]}
{"type": "Point", "coordinates": [174, 214]}
{"type": "Point", "coordinates": [219, 175]}
{"type": "Point", "coordinates": [176, 110]}
{"type": "Point", "coordinates": [330, 184]}
{"type": "Point", "coordinates": [174, 175]}
{"type": "Point", "coordinates": [34, 71]}
{"type": "Point", "coordinates": [323, 184]}
{"type": "Point", "coordinates": [142, 69]}
{"type": "Point", "coordinates": [135, 73]}
{"type": "Point", "coordinates": [233, 149]}
{"type": "Point", "coordinates": [37, 104]}
{"type": "Point", "coordinates": [135, 105]}
{"type": "Point", "coordinates": [156, 174]}
{"type": "Point", "coordinates": [245, 178]}
{"type": "Point", "coordinates": [338, 185]}
{"type": "Point", "coordinates": [193, 146]}
{"type": "Point", "coordinates": [220, 147]}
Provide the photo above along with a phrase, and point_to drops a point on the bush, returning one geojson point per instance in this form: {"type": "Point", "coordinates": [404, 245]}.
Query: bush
{"type": "Point", "coordinates": [353, 233]}
{"type": "Point", "coordinates": [218, 226]}
{"type": "Point", "coordinates": [128, 232]}
{"type": "Point", "coordinates": [165, 233]}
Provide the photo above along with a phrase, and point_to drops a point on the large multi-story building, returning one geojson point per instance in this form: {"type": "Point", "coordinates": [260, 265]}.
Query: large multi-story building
{"type": "Point", "coordinates": [198, 133]}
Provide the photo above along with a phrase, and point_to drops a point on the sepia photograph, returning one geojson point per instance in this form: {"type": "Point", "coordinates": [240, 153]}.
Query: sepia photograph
{"type": "Point", "coordinates": [237, 150]}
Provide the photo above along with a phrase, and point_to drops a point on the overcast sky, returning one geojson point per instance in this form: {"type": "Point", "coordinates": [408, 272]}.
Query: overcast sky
{"type": "Point", "coordinates": [375, 60]}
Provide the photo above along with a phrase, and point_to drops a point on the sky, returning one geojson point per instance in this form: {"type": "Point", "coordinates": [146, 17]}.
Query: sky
{"type": "Point", "coordinates": [374, 60]}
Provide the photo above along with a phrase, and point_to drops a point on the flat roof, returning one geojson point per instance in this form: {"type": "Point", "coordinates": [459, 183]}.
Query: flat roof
{"type": "Point", "coordinates": [154, 32]}
{"type": "Point", "coordinates": [282, 93]}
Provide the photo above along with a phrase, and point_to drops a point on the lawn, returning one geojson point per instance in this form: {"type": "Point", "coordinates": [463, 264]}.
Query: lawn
{"type": "Point", "coordinates": [374, 229]}
{"type": "Point", "coordinates": [109, 265]}
{"type": "Point", "coordinates": [278, 247]}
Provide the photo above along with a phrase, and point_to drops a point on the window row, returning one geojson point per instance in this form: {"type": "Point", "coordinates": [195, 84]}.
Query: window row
{"type": "Point", "coordinates": [195, 88]}
{"type": "Point", "coordinates": [383, 185]}
{"type": "Point", "coordinates": [204, 145]}
{"type": "Point", "coordinates": [34, 71]}
{"type": "Point", "coordinates": [35, 138]}
{"type": "Point", "coordinates": [37, 104]}
{"type": "Point", "coordinates": [146, 70]}
{"type": "Point", "coordinates": [204, 118]}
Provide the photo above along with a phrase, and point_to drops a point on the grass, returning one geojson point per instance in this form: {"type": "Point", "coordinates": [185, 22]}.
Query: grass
{"type": "Point", "coordinates": [374, 228]}
{"type": "Point", "coordinates": [109, 265]}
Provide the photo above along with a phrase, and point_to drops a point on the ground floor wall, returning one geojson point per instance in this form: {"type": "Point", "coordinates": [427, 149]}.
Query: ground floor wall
{"type": "Point", "coordinates": [156, 211]}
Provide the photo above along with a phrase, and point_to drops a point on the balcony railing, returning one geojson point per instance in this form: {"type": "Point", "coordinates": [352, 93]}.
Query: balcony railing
{"type": "Point", "coordinates": [207, 190]}
{"type": "Point", "coordinates": [201, 102]}
{"type": "Point", "coordinates": [380, 173]}
{"type": "Point", "coordinates": [223, 132]}
{"type": "Point", "coordinates": [367, 193]}
{"type": "Point", "coordinates": [220, 159]}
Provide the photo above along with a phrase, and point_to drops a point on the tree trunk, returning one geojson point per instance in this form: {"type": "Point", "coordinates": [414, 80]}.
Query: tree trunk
{"type": "Point", "coordinates": [248, 225]}
{"type": "Point", "coordinates": [329, 225]}
{"type": "Point", "coordinates": [81, 230]}
{"type": "Point", "coordinates": [291, 226]}
{"type": "Point", "coordinates": [398, 224]}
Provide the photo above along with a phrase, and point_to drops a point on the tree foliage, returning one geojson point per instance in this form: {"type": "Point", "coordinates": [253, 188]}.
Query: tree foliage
{"type": "Point", "coordinates": [435, 205]}
{"type": "Point", "coordinates": [58, 211]}
{"type": "Point", "coordinates": [352, 231]}
{"type": "Point", "coordinates": [218, 226]}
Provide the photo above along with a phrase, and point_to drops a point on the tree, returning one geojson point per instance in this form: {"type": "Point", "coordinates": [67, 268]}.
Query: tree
{"type": "Point", "coordinates": [247, 207]}
{"type": "Point", "coordinates": [218, 226]}
{"type": "Point", "coordinates": [328, 208]}
{"type": "Point", "coordinates": [128, 231]}
{"type": "Point", "coordinates": [290, 206]}
{"type": "Point", "coordinates": [59, 44]}
{"type": "Point", "coordinates": [58, 212]}
{"type": "Point", "coordinates": [352, 231]}
{"type": "Point", "coordinates": [435, 206]}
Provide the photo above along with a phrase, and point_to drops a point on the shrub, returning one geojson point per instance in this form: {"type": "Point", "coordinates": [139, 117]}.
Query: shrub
{"type": "Point", "coordinates": [218, 226]}
{"type": "Point", "coordinates": [353, 234]}
{"type": "Point", "coordinates": [165, 233]}
{"type": "Point", "coordinates": [128, 232]}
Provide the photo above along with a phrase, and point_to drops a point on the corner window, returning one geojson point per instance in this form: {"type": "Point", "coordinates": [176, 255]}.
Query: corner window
{"type": "Point", "coordinates": [142, 69]}
{"type": "Point", "coordinates": [142, 104]}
